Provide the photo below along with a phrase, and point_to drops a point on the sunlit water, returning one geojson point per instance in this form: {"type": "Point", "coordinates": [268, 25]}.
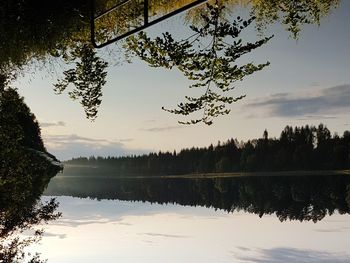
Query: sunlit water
{"type": "Point", "coordinates": [122, 231]}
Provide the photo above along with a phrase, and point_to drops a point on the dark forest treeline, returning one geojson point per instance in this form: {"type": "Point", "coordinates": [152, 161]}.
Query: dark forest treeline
{"type": "Point", "coordinates": [288, 197]}
{"type": "Point", "coordinates": [299, 148]}
{"type": "Point", "coordinates": [25, 171]}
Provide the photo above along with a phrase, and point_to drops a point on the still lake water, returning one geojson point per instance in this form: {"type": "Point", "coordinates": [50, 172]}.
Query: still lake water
{"type": "Point", "coordinates": [142, 223]}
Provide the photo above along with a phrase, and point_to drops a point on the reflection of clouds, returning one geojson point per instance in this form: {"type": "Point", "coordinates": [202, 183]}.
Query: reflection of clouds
{"type": "Point", "coordinates": [60, 236]}
{"type": "Point", "coordinates": [244, 248]}
{"type": "Point", "coordinates": [338, 229]}
{"type": "Point", "coordinates": [72, 145]}
{"type": "Point", "coordinates": [79, 211]}
{"type": "Point", "coordinates": [124, 223]}
{"type": "Point", "coordinates": [317, 117]}
{"type": "Point", "coordinates": [77, 223]}
{"type": "Point", "coordinates": [161, 129]}
{"type": "Point", "coordinates": [52, 124]}
{"type": "Point", "coordinates": [62, 140]}
{"type": "Point", "coordinates": [333, 100]}
{"type": "Point", "coordinates": [293, 255]}
{"type": "Point", "coordinates": [164, 235]}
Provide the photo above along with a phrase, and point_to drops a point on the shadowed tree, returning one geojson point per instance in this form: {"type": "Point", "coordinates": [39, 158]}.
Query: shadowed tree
{"type": "Point", "coordinates": [212, 66]}
{"type": "Point", "coordinates": [293, 14]}
{"type": "Point", "coordinates": [88, 77]}
{"type": "Point", "coordinates": [24, 174]}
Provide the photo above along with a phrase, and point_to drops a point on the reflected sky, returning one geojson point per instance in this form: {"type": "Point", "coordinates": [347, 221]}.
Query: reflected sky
{"type": "Point", "coordinates": [120, 231]}
{"type": "Point", "coordinates": [301, 86]}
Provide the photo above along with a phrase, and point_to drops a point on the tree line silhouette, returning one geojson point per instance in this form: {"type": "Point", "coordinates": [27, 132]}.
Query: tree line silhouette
{"type": "Point", "coordinates": [299, 148]}
{"type": "Point", "coordinates": [302, 198]}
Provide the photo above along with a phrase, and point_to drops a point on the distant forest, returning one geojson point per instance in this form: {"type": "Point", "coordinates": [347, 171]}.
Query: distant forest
{"type": "Point", "coordinates": [299, 148]}
{"type": "Point", "coordinates": [288, 197]}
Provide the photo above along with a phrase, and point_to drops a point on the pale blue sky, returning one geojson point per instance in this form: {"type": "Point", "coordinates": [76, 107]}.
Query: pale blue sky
{"type": "Point", "coordinates": [308, 82]}
{"type": "Point", "coordinates": [103, 231]}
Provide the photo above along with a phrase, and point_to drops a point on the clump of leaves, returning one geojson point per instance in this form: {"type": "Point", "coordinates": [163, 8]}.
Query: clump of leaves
{"type": "Point", "coordinates": [292, 14]}
{"type": "Point", "coordinates": [88, 77]}
{"type": "Point", "coordinates": [208, 58]}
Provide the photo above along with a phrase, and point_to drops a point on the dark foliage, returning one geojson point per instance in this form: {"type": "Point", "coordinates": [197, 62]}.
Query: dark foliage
{"type": "Point", "coordinates": [24, 174]}
{"type": "Point", "coordinates": [17, 124]}
{"type": "Point", "coordinates": [212, 66]}
{"type": "Point", "coordinates": [302, 198]}
{"type": "Point", "coordinates": [301, 148]}
{"type": "Point", "coordinates": [88, 77]}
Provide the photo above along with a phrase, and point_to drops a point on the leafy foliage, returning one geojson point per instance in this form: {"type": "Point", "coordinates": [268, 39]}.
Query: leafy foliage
{"type": "Point", "coordinates": [212, 66]}
{"type": "Point", "coordinates": [17, 124]}
{"type": "Point", "coordinates": [292, 14]}
{"type": "Point", "coordinates": [88, 77]}
{"type": "Point", "coordinates": [34, 31]}
{"type": "Point", "coordinates": [24, 174]}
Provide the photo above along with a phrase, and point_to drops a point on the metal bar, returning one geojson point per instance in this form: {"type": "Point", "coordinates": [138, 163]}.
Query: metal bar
{"type": "Point", "coordinates": [145, 11]}
{"type": "Point", "coordinates": [144, 26]}
{"type": "Point", "coordinates": [111, 9]}
{"type": "Point", "coordinates": [92, 23]}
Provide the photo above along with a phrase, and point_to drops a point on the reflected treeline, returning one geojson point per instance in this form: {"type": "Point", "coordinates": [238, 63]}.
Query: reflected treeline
{"type": "Point", "coordinates": [59, 33]}
{"type": "Point", "coordinates": [292, 14]}
{"type": "Point", "coordinates": [25, 171]}
{"type": "Point", "coordinates": [298, 148]}
{"type": "Point", "coordinates": [288, 197]}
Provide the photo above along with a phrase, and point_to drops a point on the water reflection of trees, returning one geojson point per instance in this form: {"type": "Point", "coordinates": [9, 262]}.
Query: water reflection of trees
{"type": "Point", "coordinates": [292, 14]}
{"type": "Point", "coordinates": [25, 171]}
{"type": "Point", "coordinates": [207, 57]}
{"type": "Point", "coordinates": [45, 31]}
{"type": "Point", "coordinates": [289, 197]}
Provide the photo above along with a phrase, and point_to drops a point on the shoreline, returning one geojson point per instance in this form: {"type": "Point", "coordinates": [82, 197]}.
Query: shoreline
{"type": "Point", "coordinates": [214, 175]}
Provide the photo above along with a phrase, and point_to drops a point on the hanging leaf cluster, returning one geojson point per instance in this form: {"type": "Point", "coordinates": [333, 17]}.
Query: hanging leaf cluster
{"type": "Point", "coordinates": [293, 14]}
{"type": "Point", "coordinates": [208, 58]}
{"type": "Point", "coordinates": [88, 77]}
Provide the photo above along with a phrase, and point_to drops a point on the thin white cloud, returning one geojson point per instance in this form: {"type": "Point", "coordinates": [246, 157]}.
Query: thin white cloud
{"type": "Point", "coordinates": [52, 124]}
{"type": "Point", "coordinates": [293, 255]}
{"type": "Point", "coordinates": [324, 103]}
{"type": "Point", "coordinates": [65, 147]}
{"type": "Point", "coordinates": [161, 129]}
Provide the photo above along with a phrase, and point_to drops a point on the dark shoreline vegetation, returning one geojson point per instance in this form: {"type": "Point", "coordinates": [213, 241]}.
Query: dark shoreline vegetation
{"type": "Point", "coordinates": [302, 198]}
{"type": "Point", "coordinates": [25, 171]}
{"type": "Point", "coordinates": [306, 148]}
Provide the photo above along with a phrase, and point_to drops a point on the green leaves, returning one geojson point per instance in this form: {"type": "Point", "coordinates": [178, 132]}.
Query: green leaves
{"type": "Point", "coordinates": [88, 77]}
{"type": "Point", "coordinates": [292, 14]}
{"type": "Point", "coordinates": [208, 58]}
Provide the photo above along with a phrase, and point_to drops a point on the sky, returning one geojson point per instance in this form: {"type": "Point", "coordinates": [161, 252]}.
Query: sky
{"type": "Point", "coordinates": [307, 82]}
{"type": "Point", "coordinates": [106, 230]}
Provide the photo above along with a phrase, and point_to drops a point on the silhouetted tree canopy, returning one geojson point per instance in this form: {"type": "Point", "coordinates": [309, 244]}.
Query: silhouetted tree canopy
{"type": "Point", "coordinates": [17, 124]}
{"type": "Point", "coordinates": [51, 31]}
{"type": "Point", "coordinates": [292, 14]}
{"type": "Point", "coordinates": [88, 77]}
{"type": "Point", "coordinates": [212, 66]}
{"type": "Point", "coordinates": [302, 198]}
{"type": "Point", "coordinates": [24, 174]}
{"type": "Point", "coordinates": [298, 148]}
